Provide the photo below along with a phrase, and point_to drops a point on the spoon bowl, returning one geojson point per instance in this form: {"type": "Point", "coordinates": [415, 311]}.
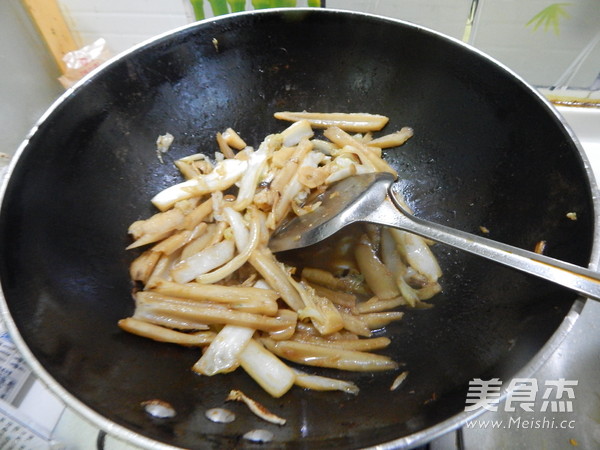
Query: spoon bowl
{"type": "Point", "coordinates": [369, 198]}
{"type": "Point", "coordinates": [345, 202]}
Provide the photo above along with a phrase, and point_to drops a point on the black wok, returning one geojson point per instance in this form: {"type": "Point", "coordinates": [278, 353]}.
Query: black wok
{"type": "Point", "coordinates": [488, 151]}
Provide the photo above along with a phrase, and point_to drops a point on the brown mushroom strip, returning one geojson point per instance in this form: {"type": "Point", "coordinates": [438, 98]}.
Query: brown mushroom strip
{"type": "Point", "coordinates": [159, 303]}
{"type": "Point", "coordinates": [398, 381]}
{"type": "Point", "coordinates": [341, 138]}
{"type": "Point", "coordinates": [354, 323]}
{"type": "Point", "coordinates": [274, 274]}
{"type": "Point", "coordinates": [293, 134]}
{"type": "Point", "coordinates": [142, 267]}
{"type": "Point", "coordinates": [362, 345]}
{"type": "Point", "coordinates": [319, 383]}
{"type": "Point", "coordinates": [186, 169]}
{"type": "Point", "coordinates": [148, 239]}
{"type": "Point", "coordinates": [428, 291]}
{"type": "Point", "coordinates": [322, 313]}
{"type": "Point", "coordinates": [327, 279]}
{"type": "Point", "coordinates": [394, 139]}
{"type": "Point", "coordinates": [209, 314]}
{"type": "Point", "coordinates": [377, 275]}
{"type": "Point", "coordinates": [154, 299]}
{"type": "Point", "coordinates": [334, 358]}
{"type": "Point", "coordinates": [225, 174]}
{"type": "Point", "coordinates": [179, 239]}
{"type": "Point", "coordinates": [381, 319]}
{"type": "Point", "coordinates": [148, 312]}
{"type": "Point", "coordinates": [378, 305]}
{"type": "Point", "coordinates": [162, 269]}
{"type": "Point", "coordinates": [257, 162]}
{"type": "Point", "coordinates": [337, 297]}
{"type": "Point", "coordinates": [354, 122]}
{"type": "Point", "coordinates": [282, 158]}
{"type": "Point", "coordinates": [288, 316]}
{"type": "Point", "coordinates": [290, 166]}
{"type": "Point", "coordinates": [233, 139]}
{"type": "Point", "coordinates": [293, 188]}
{"type": "Point", "coordinates": [224, 146]}
{"type": "Point", "coordinates": [312, 177]}
{"type": "Point", "coordinates": [255, 407]}
{"type": "Point", "coordinates": [198, 214]}
{"type": "Point", "coordinates": [162, 334]}
{"type": "Point", "coordinates": [244, 298]}
{"type": "Point", "coordinates": [155, 228]}
{"type": "Point", "coordinates": [159, 223]}
{"type": "Point", "coordinates": [269, 198]}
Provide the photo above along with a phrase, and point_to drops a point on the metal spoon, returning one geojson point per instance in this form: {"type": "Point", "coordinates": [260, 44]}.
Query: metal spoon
{"type": "Point", "coordinates": [364, 198]}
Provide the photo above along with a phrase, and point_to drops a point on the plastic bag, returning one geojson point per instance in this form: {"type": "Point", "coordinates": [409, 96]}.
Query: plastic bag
{"type": "Point", "coordinates": [80, 62]}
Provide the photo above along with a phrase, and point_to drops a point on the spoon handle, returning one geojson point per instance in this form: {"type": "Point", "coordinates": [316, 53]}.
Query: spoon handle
{"type": "Point", "coordinates": [579, 279]}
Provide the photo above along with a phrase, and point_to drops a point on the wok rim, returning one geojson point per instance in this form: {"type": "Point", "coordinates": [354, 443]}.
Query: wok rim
{"type": "Point", "coordinates": [419, 438]}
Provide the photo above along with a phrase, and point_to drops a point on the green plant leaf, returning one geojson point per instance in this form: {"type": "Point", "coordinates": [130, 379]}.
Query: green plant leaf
{"type": "Point", "coordinates": [283, 3]}
{"type": "Point", "coordinates": [237, 5]}
{"type": "Point", "coordinates": [549, 17]}
{"type": "Point", "coordinates": [261, 4]}
{"type": "Point", "coordinates": [198, 7]}
{"type": "Point", "coordinates": [219, 7]}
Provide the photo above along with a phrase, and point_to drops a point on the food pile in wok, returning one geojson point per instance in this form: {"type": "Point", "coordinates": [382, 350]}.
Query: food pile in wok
{"type": "Point", "coordinates": [206, 277]}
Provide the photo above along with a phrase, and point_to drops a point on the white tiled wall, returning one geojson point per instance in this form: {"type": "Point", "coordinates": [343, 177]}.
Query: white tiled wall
{"type": "Point", "coordinates": [446, 16]}
{"type": "Point", "coordinates": [27, 79]}
{"type": "Point", "coordinates": [541, 57]}
{"type": "Point", "coordinates": [122, 23]}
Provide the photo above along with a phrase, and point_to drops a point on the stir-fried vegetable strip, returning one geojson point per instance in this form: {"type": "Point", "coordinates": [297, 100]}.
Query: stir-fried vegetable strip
{"type": "Point", "coordinates": [208, 278]}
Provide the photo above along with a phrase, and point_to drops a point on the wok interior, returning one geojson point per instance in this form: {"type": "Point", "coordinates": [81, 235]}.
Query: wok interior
{"type": "Point", "coordinates": [486, 152]}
